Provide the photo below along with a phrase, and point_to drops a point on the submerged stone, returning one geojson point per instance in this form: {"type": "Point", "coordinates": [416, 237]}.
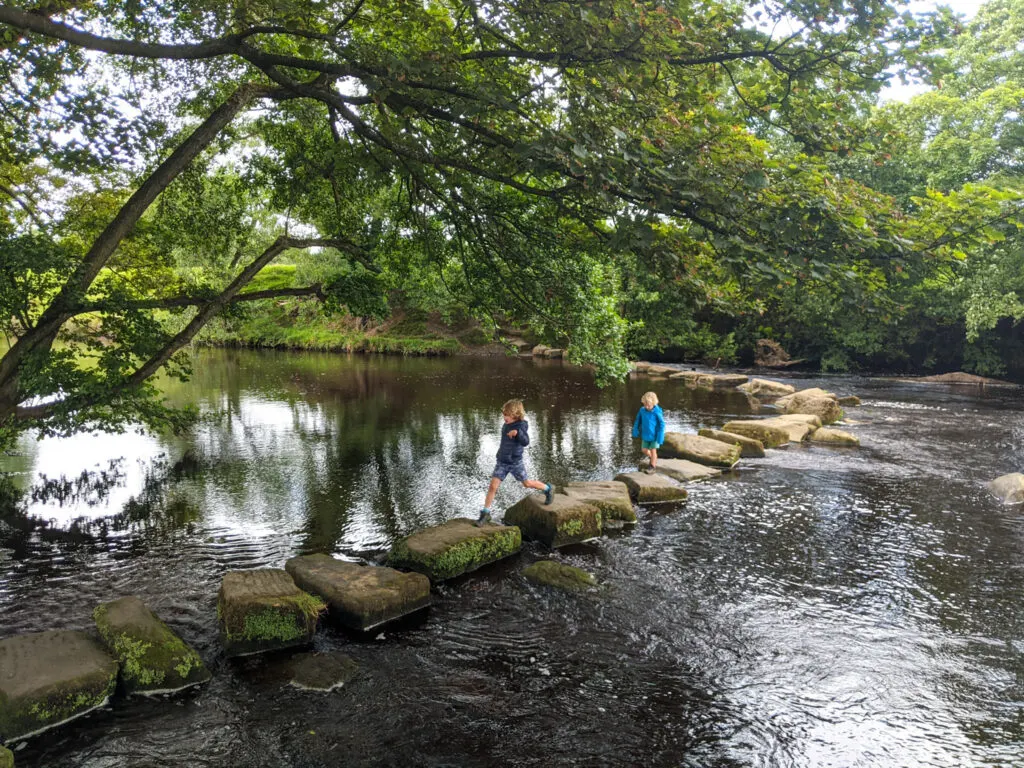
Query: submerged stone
{"type": "Point", "coordinates": [610, 496]}
{"type": "Point", "coordinates": [552, 574]}
{"type": "Point", "coordinates": [1009, 489]}
{"type": "Point", "coordinates": [454, 548]}
{"type": "Point", "coordinates": [263, 610]}
{"type": "Point", "coordinates": [770, 436]}
{"type": "Point", "coordinates": [651, 489]}
{"type": "Point", "coordinates": [683, 470]}
{"type": "Point", "coordinates": [832, 436]}
{"type": "Point", "coordinates": [48, 678]}
{"type": "Point", "coordinates": [321, 671]}
{"type": "Point", "coordinates": [749, 447]}
{"type": "Point", "coordinates": [702, 450]}
{"type": "Point", "coordinates": [361, 597]}
{"type": "Point", "coordinates": [564, 521]}
{"type": "Point", "coordinates": [152, 657]}
{"type": "Point", "coordinates": [767, 389]}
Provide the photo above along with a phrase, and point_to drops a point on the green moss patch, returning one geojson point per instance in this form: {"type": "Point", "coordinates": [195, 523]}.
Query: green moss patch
{"type": "Point", "coordinates": [454, 548]}
{"type": "Point", "coordinates": [565, 521]}
{"type": "Point", "coordinates": [263, 610]}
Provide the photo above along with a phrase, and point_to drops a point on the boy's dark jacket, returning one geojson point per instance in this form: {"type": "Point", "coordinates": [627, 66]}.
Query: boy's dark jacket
{"type": "Point", "coordinates": [511, 449]}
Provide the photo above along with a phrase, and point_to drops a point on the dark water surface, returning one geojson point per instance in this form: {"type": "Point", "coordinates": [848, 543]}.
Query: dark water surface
{"type": "Point", "coordinates": [821, 607]}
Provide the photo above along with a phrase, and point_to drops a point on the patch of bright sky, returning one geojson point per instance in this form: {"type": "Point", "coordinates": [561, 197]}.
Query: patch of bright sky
{"type": "Point", "coordinates": [897, 91]}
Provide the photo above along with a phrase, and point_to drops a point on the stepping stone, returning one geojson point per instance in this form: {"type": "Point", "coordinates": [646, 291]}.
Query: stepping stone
{"type": "Point", "coordinates": [454, 548]}
{"type": "Point", "coordinates": [153, 658]}
{"type": "Point", "coordinates": [651, 489]}
{"type": "Point", "coordinates": [834, 437]}
{"type": "Point", "coordinates": [749, 447]}
{"type": "Point", "coordinates": [849, 400]}
{"type": "Point", "coordinates": [263, 610]}
{"type": "Point", "coordinates": [610, 496]}
{"type": "Point", "coordinates": [825, 408]}
{"type": "Point", "coordinates": [1009, 489]}
{"type": "Point", "coordinates": [539, 350]}
{"type": "Point", "coordinates": [767, 389]}
{"type": "Point", "coordinates": [797, 430]}
{"type": "Point", "coordinates": [687, 377]}
{"type": "Point", "coordinates": [641, 366]}
{"type": "Point", "coordinates": [320, 671]}
{"type": "Point", "coordinates": [769, 436]}
{"type": "Point", "coordinates": [684, 471]}
{"type": "Point", "coordinates": [702, 450]}
{"type": "Point", "coordinates": [551, 574]}
{"type": "Point", "coordinates": [360, 597]}
{"type": "Point", "coordinates": [553, 353]}
{"type": "Point", "coordinates": [805, 394]}
{"type": "Point", "coordinates": [49, 678]}
{"type": "Point", "coordinates": [721, 380]}
{"type": "Point", "coordinates": [660, 370]}
{"type": "Point", "coordinates": [799, 418]}
{"type": "Point", "coordinates": [564, 521]}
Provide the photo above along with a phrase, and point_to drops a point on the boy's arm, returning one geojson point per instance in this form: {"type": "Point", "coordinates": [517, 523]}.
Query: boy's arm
{"type": "Point", "coordinates": [636, 425]}
{"type": "Point", "coordinates": [661, 429]}
{"type": "Point", "coordinates": [523, 436]}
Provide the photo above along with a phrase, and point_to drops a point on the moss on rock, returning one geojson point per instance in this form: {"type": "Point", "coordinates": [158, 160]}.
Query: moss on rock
{"type": "Point", "coordinates": [552, 574]}
{"type": "Point", "coordinates": [263, 610]}
{"type": "Point", "coordinates": [6, 758]}
{"type": "Point", "coordinates": [611, 497]}
{"type": "Point", "coordinates": [565, 521]}
{"type": "Point", "coordinates": [455, 547]}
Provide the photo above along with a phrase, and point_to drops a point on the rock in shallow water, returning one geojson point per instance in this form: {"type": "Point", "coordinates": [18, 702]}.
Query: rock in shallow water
{"type": "Point", "coordinates": [360, 597]}
{"type": "Point", "coordinates": [768, 435]}
{"type": "Point", "coordinates": [684, 471]}
{"type": "Point", "coordinates": [565, 521]}
{"type": "Point", "coordinates": [321, 671]}
{"type": "Point", "coordinates": [454, 548]}
{"type": "Point", "coordinates": [610, 496]}
{"type": "Point", "coordinates": [749, 447]}
{"type": "Point", "coordinates": [1009, 489]}
{"type": "Point", "coordinates": [651, 489]}
{"type": "Point", "coordinates": [830, 436]}
{"type": "Point", "coordinates": [702, 450]}
{"type": "Point", "coordinates": [152, 657]}
{"type": "Point", "coordinates": [48, 678]}
{"type": "Point", "coordinates": [263, 610]}
{"type": "Point", "coordinates": [552, 574]}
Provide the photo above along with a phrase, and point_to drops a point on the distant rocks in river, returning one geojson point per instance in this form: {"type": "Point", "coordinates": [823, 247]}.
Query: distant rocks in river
{"type": "Point", "coordinates": [749, 447]}
{"type": "Point", "coordinates": [959, 377]}
{"type": "Point", "coordinates": [1009, 489]}
{"type": "Point", "coordinates": [766, 389]}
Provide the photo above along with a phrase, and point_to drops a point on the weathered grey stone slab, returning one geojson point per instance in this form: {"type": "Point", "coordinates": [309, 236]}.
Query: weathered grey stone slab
{"type": "Point", "coordinates": [702, 450]}
{"type": "Point", "coordinates": [454, 548]}
{"type": "Point", "coordinates": [565, 521]}
{"type": "Point", "coordinates": [552, 574]}
{"type": "Point", "coordinates": [153, 658]}
{"type": "Point", "coordinates": [766, 389]}
{"type": "Point", "coordinates": [831, 436]}
{"type": "Point", "coordinates": [554, 353]}
{"type": "Point", "coordinates": [49, 678]}
{"type": "Point", "coordinates": [797, 430]}
{"type": "Point", "coordinates": [1009, 489]}
{"type": "Point", "coordinates": [683, 470]}
{"type": "Point", "coordinates": [651, 489]}
{"type": "Point", "coordinates": [263, 610]}
{"type": "Point", "coordinates": [539, 350]}
{"type": "Point", "coordinates": [610, 496]}
{"type": "Point", "coordinates": [749, 447]}
{"type": "Point", "coordinates": [770, 436]}
{"type": "Point", "coordinates": [361, 597]}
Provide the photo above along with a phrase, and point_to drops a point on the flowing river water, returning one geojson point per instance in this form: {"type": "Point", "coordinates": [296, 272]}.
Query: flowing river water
{"type": "Point", "coordinates": [820, 607]}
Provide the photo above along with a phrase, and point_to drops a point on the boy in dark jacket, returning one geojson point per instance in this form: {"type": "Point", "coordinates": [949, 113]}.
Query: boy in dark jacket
{"type": "Point", "coordinates": [515, 437]}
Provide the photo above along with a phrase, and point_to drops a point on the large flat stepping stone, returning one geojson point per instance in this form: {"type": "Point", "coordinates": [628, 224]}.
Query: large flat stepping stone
{"type": "Point", "coordinates": [564, 521]}
{"type": "Point", "coordinates": [797, 430]}
{"type": "Point", "coordinates": [263, 610]}
{"type": "Point", "coordinates": [153, 658]}
{"type": "Point", "coordinates": [610, 496]}
{"type": "Point", "coordinates": [454, 548]}
{"type": "Point", "coordinates": [702, 450]}
{"type": "Point", "coordinates": [749, 447]}
{"type": "Point", "coordinates": [48, 678]}
{"type": "Point", "coordinates": [770, 436]}
{"type": "Point", "coordinates": [1009, 489]}
{"type": "Point", "coordinates": [683, 470]}
{"type": "Point", "coordinates": [830, 436]}
{"type": "Point", "coordinates": [804, 394]}
{"type": "Point", "coordinates": [651, 489]}
{"type": "Point", "coordinates": [360, 597]}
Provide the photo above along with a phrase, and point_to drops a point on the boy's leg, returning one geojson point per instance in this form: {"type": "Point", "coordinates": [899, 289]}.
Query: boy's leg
{"type": "Point", "coordinates": [492, 490]}
{"type": "Point", "coordinates": [654, 458]}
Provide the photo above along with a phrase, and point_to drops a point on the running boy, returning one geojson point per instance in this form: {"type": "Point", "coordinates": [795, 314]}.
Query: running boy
{"type": "Point", "coordinates": [649, 426]}
{"type": "Point", "coordinates": [514, 437]}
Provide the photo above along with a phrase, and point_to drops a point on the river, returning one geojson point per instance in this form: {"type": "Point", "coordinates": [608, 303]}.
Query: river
{"type": "Point", "coordinates": [820, 607]}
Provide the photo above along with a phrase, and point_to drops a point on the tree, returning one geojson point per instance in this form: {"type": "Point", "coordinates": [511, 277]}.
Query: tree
{"type": "Point", "coordinates": [539, 141]}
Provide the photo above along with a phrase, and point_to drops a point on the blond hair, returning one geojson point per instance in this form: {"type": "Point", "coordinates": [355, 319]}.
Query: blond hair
{"type": "Point", "coordinates": [514, 408]}
{"type": "Point", "coordinates": [649, 398]}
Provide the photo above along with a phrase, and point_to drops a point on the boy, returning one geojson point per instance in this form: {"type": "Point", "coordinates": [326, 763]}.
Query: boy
{"type": "Point", "coordinates": [514, 437]}
{"type": "Point", "coordinates": [649, 426]}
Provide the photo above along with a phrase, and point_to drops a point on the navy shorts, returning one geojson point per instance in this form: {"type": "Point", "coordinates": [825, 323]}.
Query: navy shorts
{"type": "Point", "coordinates": [503, 470]}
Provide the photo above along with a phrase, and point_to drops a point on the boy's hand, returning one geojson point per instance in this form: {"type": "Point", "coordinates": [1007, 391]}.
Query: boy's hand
{"type": "Point", "coordinates": [513, 432]}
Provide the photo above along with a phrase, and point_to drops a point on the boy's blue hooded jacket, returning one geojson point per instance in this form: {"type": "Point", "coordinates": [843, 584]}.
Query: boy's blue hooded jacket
{"type": "Point", "coordinates": [650, 425]}
{"type": "Point", "coordinates": [511, 449]}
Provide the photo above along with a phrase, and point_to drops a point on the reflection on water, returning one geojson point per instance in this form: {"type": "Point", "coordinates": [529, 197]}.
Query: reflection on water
{"type": "Point", "coordinates": [821, 607]}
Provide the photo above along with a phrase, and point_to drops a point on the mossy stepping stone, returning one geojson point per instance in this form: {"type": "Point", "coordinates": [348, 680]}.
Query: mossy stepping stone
{"type": "Point", "coordinates": [702, 450]}
{"type": "Point", "coordinates": [770, 436]}
{"type": "Point", "coordinates": [830, 436]}
{"type": "Point", "coordinates": [797, 430]}
{"type": "Point", "coordinates": [454, 548]}
{"type": "Point", "coordinates": [263, 610]}
{"type": "Point", "coordinates": [651, 489]}
{"type": "Point", "coordinates": [683, 470]}
{"type": "Point", "coordinates": [610, 496]}
{"type": "Point", "coordinates": [360, 597]}
{"type": "Point", "coordinates": [49, 678]}
{"type": "Point", "coordinates": [153, 659]}
{"type": "Point", "coordinates": [749, 447]}
{"type": "Point", "coordinates": [565, 521]}
{"type": "Point", "coordinates": [551, 574]}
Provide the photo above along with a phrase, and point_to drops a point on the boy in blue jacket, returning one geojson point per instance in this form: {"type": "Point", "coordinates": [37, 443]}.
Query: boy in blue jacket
{"type": "Point", "coordinates": [515, 437]}
{"type": "Point", "coordinates": [650, 428]}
